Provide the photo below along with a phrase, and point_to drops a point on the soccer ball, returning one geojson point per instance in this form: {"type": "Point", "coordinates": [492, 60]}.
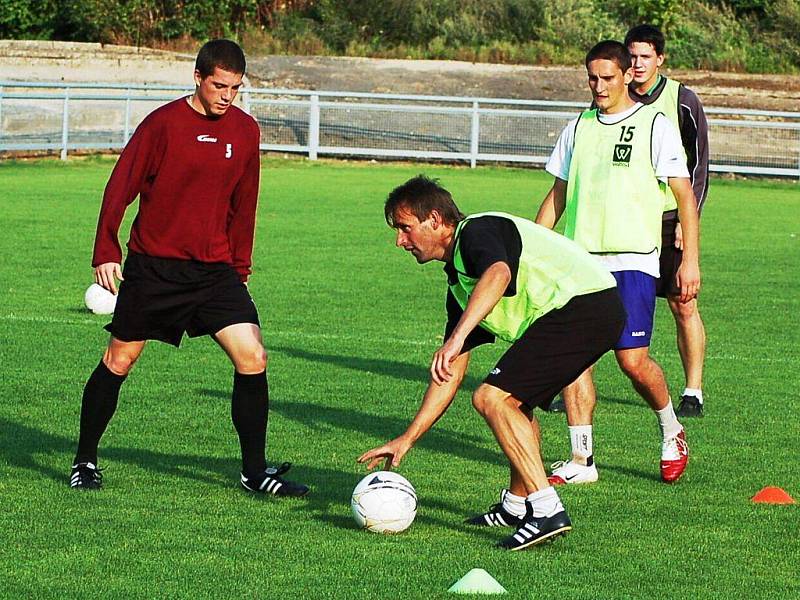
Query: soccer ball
{"type": "Point", "coordinates": [384, 502]}
{"type": "Point", "coordinates": [99, 300]}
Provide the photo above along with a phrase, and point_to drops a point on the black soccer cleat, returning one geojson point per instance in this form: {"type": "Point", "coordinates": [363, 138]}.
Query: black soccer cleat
{"type": "Point", "coordinates": [86, 476]}
{"type": "Point", "coordinates": [496, 516]}
{"type": "Point", "coordinates": [690, 406]}
{"type": "Point", "coordinates": [271, 482]}
{"type": "Point", "coordinates": [535, 530]}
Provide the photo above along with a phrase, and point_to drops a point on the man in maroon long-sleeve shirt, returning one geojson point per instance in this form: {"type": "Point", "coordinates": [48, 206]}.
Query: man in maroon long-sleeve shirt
{"type": "Point", "coordinates": [194, 164]}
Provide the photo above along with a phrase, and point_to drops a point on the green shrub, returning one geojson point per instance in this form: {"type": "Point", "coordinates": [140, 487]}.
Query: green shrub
{"type": "Point", "coordinates": [574, 26]}
{"type": "Point", "coordinates": [21, 19]}
{"type": "Point", "coordinates": [741, 35]}
{"type": "Point", "coordinates": [710, 37]}
{"type": "Point", "coordinates": [783, 17]}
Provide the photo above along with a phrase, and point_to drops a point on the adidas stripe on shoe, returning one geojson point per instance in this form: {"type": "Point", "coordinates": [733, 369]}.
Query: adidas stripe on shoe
{"type": "Point", "coordinates": [496, 516]}
{"type": "Point", "coordinates": [271, 482]}
{"type": "Point", "coordinates": [536, 530]}
{"type": "Point", "coordinates": [86, 476]}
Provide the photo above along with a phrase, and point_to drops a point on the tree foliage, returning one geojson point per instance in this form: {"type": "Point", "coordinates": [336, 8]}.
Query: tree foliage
{"type": "Point", "coordinates": [735, 34]}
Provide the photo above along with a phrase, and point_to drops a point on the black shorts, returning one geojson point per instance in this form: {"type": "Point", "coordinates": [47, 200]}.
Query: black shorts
{"type": "Point", "coordinates": [161, 298]}
{"type": "Point", "coordinates": [670, 259]}
{"type": "Point", "coordinates": [559, 346]}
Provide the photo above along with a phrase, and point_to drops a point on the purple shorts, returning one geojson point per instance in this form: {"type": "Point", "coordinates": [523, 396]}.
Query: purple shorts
{"type": "Point", "coordinates": [638, 292]}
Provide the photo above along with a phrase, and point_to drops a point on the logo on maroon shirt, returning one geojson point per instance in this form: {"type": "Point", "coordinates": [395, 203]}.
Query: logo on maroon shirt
{"type": "Point", "coordinates": [206, 138]}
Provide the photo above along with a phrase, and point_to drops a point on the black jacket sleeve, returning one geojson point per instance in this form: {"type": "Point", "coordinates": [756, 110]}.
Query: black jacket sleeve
{"type": "Point", "coordinates": [694, 134]}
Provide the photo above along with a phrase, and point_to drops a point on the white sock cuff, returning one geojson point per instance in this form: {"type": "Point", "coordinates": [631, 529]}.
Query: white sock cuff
{"type": "Point", "coordinates": [544, 494]}
{"type": "Point", "coordinates": [513, 503]}
{"type": "Point", "coordinates": [580, 439]}
{"type": "Point", "coordinates": [545, 502]}
{"type": "Point", "coordinates": [507, 496]}
{"type": "Point", "coordinates": [697, 393]}
{"type": "Point", "coordinates": [668, 421]}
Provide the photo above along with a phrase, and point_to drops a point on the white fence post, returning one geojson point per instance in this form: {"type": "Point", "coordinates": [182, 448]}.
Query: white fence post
{"type": "Point", "coordinates": [475, 136]}
{"type": "Point", "coordinates": [127, 116]}
{"type": "Point", "coordinates": [246, 101]}
{"type": "Point", "coordinates": [313, 127]}
{"type": "Point", "coordinates": [65, 125]}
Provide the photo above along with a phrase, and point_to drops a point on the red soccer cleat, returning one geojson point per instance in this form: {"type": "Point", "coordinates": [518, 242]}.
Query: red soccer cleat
{"type": "Point", "coordinates": [674, 456]}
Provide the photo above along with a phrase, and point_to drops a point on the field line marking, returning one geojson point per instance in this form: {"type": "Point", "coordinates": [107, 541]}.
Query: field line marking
{"type": "Point", "coordinates": [333, 336]}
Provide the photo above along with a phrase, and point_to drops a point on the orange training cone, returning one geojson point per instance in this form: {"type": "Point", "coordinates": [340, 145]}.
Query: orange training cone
{"type": "Point", "coordinates": [773, 495]}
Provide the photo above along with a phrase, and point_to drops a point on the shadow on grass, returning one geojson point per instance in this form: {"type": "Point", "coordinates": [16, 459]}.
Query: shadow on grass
{"type": "Point", "coordinates": [30, 449]}
{"type": "Point", "coordinates": [26, 447]}
{"type": "Point", "coordinates": [389, 368]}
{"type": "Point", "coordinates": [327, 419]}
{"type": "Point", "coordinates": [329, 501]}
{"type": "Point", "coordinates": [653, 475]}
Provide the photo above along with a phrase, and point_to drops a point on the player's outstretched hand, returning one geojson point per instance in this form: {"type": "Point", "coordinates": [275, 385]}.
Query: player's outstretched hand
{"type": "Point", "coordinates": [107, 275]}
{"type": "Point", "coordinates": [392, 451]}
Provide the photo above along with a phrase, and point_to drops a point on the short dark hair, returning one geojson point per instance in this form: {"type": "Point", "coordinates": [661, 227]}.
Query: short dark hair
{"type": "Point", "coordinates": [421, 195]}
{"type": "Point", "coordinates": [610, 50]}
{"type": "Point", "coordinates": [648, 34]}
{"type": "Point", "coordinates": [224, 54]}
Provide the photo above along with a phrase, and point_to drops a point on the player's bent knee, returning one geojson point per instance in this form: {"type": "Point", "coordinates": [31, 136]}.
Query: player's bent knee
{"type": "Point", "coordinates": [252, 362]}
{"type": "Point", "coordinates": [683, 311]}
{"type": "Point", "coordinates": [485, 401]}
{"type": "Point", "coordinates": [120, 364]}
{"type": "Point", "coordinates": [633, 366]}
{"type": "Point", "coordinates": [479, 401]}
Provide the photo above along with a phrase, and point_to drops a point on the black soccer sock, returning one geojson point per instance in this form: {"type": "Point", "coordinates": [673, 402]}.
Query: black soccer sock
{"type": "Point", "coordinates": [99, 403]}
{"type": "Point", "coordinates": [249, 409]}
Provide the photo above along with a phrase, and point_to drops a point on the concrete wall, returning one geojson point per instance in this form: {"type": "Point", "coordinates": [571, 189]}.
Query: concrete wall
{"type": "Point", "coordinates": [91, 63]}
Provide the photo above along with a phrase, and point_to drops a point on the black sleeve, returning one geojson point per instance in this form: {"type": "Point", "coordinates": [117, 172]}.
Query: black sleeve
{"type": "Point", "coordinates": [487, 240]}
{"type": "Point", "coordinates": [694, 135]}
{"type": "Point", "coordinates": [476, 337]}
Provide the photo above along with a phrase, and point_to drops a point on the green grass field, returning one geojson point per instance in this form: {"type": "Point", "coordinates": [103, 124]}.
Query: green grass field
{"type": "Point", "coordinates": [350, 323]}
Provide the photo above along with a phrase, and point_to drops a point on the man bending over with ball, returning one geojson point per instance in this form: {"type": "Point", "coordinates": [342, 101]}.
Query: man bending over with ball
{"type": "Point", "coordinates": [509, 278]}
{"type": "Point", "coordinates": [194, 163]}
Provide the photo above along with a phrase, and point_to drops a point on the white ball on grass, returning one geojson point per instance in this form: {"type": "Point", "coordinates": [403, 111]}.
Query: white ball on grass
{"type": "Point", "coordinates": [384, 502]}
{"type": "Point", "coordinates": [99, 300]}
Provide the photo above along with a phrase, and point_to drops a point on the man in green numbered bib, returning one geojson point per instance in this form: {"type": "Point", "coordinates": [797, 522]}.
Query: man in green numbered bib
{"type": "Point", "coordinates": [511, 279]}
{"type": "Point", "coordinates": [612, 166]}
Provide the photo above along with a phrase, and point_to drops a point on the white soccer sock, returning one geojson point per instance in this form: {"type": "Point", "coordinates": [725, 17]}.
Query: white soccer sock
{"type": "Point", "coordinates": [697, 393]}
{"type": "Point", "coordinates": [670, 426]}
{"type": "Point", "coordinates": [546, 502]}
{"type": "Point", "coordinates": [580, 438]}
{"type": "Point", "coordinates": [513, 504]}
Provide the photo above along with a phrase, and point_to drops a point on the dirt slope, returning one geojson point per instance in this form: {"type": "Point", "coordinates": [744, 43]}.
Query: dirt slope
{"type": "Point", "coordinates": [72, 62]}
{"type": "Point", "coordinates": [774, 92]}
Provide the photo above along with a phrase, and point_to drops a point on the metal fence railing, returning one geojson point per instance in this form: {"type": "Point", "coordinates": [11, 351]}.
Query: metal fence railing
{"type": "Point", "coordinates": [59, 117]}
